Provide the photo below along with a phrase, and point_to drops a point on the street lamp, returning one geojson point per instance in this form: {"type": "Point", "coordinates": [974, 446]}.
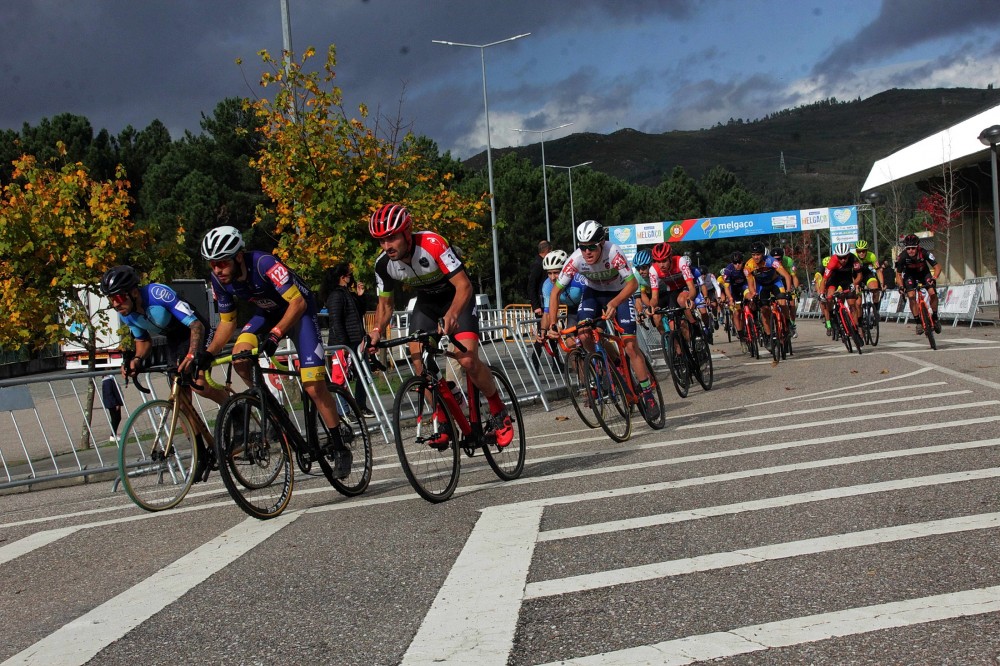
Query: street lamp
{"type": "Point", "coordinates": [545, 185]}
{"type": "Point", "coordinates": [874, 199]}
{"type": "Point", "coordinates": [989, 137]}
{"type": "Point", "coordinates": [572, 213]}
{"type": "Point", "coordinates": [489, 152]}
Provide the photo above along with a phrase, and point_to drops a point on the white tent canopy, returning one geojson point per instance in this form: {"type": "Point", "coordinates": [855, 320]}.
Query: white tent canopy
{"type": "Point", "coordinates": [959, 145]}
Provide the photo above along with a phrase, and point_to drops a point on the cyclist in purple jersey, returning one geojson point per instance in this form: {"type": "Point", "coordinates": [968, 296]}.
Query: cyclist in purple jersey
{"type": "Point", "coordinates": [285, 306]}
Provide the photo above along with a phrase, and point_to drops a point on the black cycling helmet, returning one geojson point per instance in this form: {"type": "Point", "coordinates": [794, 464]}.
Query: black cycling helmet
{"type": "Point", "coordinates": [119, 280]}
{"type": "Point", "coordinates": [911, 240]}
{"type": "Point", "coordinates": [778, 252]}
{"type": "Point", "coordinates": [757, 248]}
{"type": "Point", "coordinates": [736, 257]}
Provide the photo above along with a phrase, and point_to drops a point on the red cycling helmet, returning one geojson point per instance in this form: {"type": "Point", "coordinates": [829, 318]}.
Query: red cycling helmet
{"type": "Point", "coordinates": [662, 251]}
{"type": "Point", "coordinates": [389, 219]}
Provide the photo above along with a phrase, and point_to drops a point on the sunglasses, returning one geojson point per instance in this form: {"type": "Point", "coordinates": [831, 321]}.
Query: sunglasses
{"type": "Point", "coordinates": [118, 299]}
{"type": "Point", "coordinates": [221, 263]}
{"type": "Point", "coordinates": [589, 248]}
{"type": "Point", "coordinates": [553, 272]}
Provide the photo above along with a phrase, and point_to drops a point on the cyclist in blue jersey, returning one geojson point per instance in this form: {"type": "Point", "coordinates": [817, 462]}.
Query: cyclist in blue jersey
{"type": "Point", "coordinates": [284, 306]}
{"type": "Point", "coordinates": [643, 292]}
{"type": "Point", "coordinates": [570, 296]}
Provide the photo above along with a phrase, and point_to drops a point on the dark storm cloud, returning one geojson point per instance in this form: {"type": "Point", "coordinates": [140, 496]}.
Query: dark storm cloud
{"type": "Point", "coordinates": [902, 24]}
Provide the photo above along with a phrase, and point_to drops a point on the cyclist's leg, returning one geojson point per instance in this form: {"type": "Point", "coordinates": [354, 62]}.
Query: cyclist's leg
{"type": "Point", "coordinates": [626, 319]}
{"type": "Point", "coordinates": [248, 339]}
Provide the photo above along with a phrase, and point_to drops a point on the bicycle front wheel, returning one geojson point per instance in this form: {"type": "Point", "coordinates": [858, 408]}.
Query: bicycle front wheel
{"type": "Point", "coordinates": [873, 325]}
{"type": "Point", "coordinates": [357, 441]}
{"type": "Point", "coordinates": [704, 372]}
{"type": "Point", "coordinates": [254, 457]}
{"type": "Point", "coordinates": [575, 377]}
{"type": "Point", "coordinates": [431, 462]}
{"type": "Point", "coordinates": [676, 363]}
{"type": "Point", "coordinates": [610, 400]}
{"type": "Point", "coordinates": [507, 461]}
{"type": "Point", "coordinates": [157, 470]}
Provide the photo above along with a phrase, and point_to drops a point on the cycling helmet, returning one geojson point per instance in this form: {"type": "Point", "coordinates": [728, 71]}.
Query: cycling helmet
{"type": "Point", "coordinates": [778, 252]}
{"type": "Point", "coordinates": [861, 245]}
{"type": "Point", "coordinates": [662, 251]}
{"type": "Point", "coordinates": [590, 231]}
{"type": "Point", "coordinates": [221, 243]}
{"type": "Point", "coordinates": [642, 258]}
{"type": "Point", "coordinates": [826, 261]}
{"type": "Point", "coordinates": [757, 248]}
{"type": "Point", "coordinates": [842, 249]}
{"type": "Point", "coordinates": [388, 220]}
{"type": "Point", "coordinates": [554, 260]}
{"type": "Point", "coordinates": [736, 257]}
{"type": "Point", "coordinates": [119, 280]}
{"type": "Point", "coordinates": [911, 240]}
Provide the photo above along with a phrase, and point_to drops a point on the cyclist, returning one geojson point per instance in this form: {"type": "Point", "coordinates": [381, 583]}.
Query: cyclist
{"type": "Point", "coordinates": [672, 283]}
{"type": "Point", "coordinates": [609, 285]}
{"type": "Point", "coordinates": [843, 272]}
{"type": "Point", "coordinates": [734, 282]}
{"type": "Point", "coordinates": [640, 269]}
{"type": "Point", "coordinates": [713, 293]}
{"type": "Point", "coordinates": [570, 297]}
{"type": "Point", "coordinates": [155, 309]}
{"type": "Point", "coordinates": [425, 262]}
{"type": "Point", "coordinates": [915, 266]}
{"type": "Point", "coordinates": [821, 293]}
{"type": "Point", "coordinates": [789, 263]}
{"type": "Point", "coordinates": [765, 278]}
{"type": "Point", "coordinates": [871, 270]}
{"type": "Point", "coordinates": [284, 306]}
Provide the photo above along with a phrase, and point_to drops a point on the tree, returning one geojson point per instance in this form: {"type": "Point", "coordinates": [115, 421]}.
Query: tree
{"type": "Point", "coordinates": [325, 173]}
{"type": "Point", "coordinates": [942, 210]}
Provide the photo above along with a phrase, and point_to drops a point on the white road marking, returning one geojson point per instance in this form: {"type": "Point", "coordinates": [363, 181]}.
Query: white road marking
{"type": "Point", "coordinates": [80, 640]}
{"type": "Point", "coordinates": [969, 341]}
{"type": "Point", "coordinates": [34, 541]}
{"type": "Point", "coordinates": [799, 630]}
{"type": "Point", "coordinates": [953, 373]}
{"type": "Point", "coordinates": [775, 551]}
{"type": "Point", "coordinates": [474, 616]}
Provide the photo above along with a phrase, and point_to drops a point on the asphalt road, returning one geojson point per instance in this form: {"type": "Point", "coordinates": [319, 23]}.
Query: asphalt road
{"type": "Point", "coordinates": [831, 509]}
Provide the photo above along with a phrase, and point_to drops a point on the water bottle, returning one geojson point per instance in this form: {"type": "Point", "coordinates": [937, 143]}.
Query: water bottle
{"type": "Point", "coordinates": [457, 392]}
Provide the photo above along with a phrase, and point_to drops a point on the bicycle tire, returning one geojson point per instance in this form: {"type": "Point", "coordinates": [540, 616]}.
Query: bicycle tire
{"type": "Point", "coordinates": [775, 346]}
{"type": "Point", "coordinates": [611, 403]}
{"type": "Point", "coordinates": [874, 327]}
{"type": "Point", "coordinates": [254, 457]}
{"type": "Point", "coordinates": [844, 326]}
{"type": "Point", "coordinates": [153, 481]}
{"type": "Point", "coordinates": [432, 473]}
{"type": "Point", "coordinates": [507, 462]}
{"type": "Point", "coordinates": [704, 369]}
{"type": "Point", "coordinates": [677, 364]}
{"type": "Point", "coordinates": [654, 384]}
{"type": "Point", "coordinates": [728, 318]}
{"type": "Point", "coordinates": [750, 327]}
{"type": "Point", "coordinates": [575, 378]}
{"type": "Point", "coordinates": [357, 440]}
{"type": "Point", "coordinates": [928, 323]}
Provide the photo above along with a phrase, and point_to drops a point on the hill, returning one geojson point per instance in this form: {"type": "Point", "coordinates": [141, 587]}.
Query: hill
{"type": "Point", "coordinates": [828, 147]}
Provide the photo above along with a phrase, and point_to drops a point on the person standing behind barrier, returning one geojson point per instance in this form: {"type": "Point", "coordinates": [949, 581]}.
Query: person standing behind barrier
{"type": "Point", "coordinates": [426, 263]}
{"type": "Point", "coordinates": [536, 277]}
{"type": "Point", "coordinates": [111, 398]}
{"type": "Point", "coordinates": [347, 328]}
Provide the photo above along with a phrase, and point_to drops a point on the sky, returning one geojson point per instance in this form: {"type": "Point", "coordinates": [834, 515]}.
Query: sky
{"type": "Point", "coordinates": [603, 65]}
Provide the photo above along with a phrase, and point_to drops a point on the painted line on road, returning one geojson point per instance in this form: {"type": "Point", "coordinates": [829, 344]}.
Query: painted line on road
{"type": "Point", "coordinates": [799, 630]}
{"type": "Point", "coordinates": [34, 541]}
{"type": "Point", "coordinates": [768, 503]}
{"type": "Point", "coordinates": [464, 628]}
{"type": "Point", "coordinates": [911, 387]}
{"type": "Point", "coordinates": [78, 641]}
{"type": "Point", "coordinates": [949, 371]}
{"type": "Point", "coordinates": [770, 552]}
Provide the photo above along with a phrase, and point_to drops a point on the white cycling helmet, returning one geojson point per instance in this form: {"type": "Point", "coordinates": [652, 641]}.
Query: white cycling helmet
{"type": "Point", "coordinates": [590, 231]}
{"type": "Point", "coordinates": [221, 243]}
{"type": "Point", "coordinates": [843, 249]}
{"type": "Point", "coordinates": [554, 260]}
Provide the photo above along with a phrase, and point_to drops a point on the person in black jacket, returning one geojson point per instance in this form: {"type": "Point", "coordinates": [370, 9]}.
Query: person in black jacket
{"type": "Point", "coordinates": [536, 276]}
{"type": "Point", "coordinates": [345, 310]}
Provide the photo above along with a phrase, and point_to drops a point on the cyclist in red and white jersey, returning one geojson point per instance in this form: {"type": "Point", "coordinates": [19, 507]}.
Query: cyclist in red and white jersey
{"type": "Point", "coordinates": [672, 282]}
{"type": "Point", "coordinates": [424, 262]}
{"type": "Point", "coordinates": [609, 285]}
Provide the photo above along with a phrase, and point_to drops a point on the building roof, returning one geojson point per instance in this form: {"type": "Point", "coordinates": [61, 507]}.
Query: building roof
{"type": "Point", "coordinates": [959, 144]}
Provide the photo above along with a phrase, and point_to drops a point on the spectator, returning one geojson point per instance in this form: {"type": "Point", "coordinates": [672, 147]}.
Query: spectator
{"type": "Point", "coordinates": [111, 396]}
{"type": "Point", "coordinates": [536, 275]}
{"type": "Point", "coordinates": [347, 327]}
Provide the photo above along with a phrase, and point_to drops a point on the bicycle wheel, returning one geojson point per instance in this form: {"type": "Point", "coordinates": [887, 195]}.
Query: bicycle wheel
{"type": "Point", "coordinates": [155, 470]}
{"type": "Point", "coordinates": [676, 363]}
{"type": "Point", "coordinates": [728, 318]}
{"type": "Point", "coordinates": [575, 377]}
{"type": "Point", "coordinates": [928, 324]}
{"type": "Point", "coordinates": [750, 330]}
{"type": "Point", "coordinates": [703, 369]}
{"type": "Point", "coordinates": [254, 457]}
{"type": "Point", "coordinates": [357, 440]}
{"type": "Point", "coordinates": [432, 471]}
{"type": "Point", "coordinates": [611, 401]}
{"type": "Point", "coordinates": [775, 332]}
{"type": "Point", "coordinates": [873, 325]}
{"type": "Point", "coordinates": [654, 384]}
{"type": "Point", "coordinates": [507, 461]}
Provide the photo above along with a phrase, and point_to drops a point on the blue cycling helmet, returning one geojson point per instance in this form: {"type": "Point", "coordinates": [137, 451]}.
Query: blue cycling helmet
{"type": "Point", "coordinates": [642, 258]}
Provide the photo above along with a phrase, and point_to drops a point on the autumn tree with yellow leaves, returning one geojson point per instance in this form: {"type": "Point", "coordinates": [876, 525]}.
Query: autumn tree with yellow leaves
{"type": "Point", "coordinates": [326, 172]}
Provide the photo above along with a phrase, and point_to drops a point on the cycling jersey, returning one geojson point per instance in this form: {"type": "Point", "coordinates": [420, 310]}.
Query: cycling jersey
{"type": "Point", "coordinates": [920, 262]}
{"type": "Point", "coordinates": [673, 277]}
{"type": "Point", "coordinates": [868, 261]}
{"type": "Point", "coordinates": [430, 268]}
{"type": "Point", "coordinates": [764, 271]}
{"type": "Point", "coordinates": [570, 296]}
{"type": "Point", "coordinates": [165, 314]}
{"type": "Point", "coordinates": [609, 273]}
{"type": "Point", "coordinates": [735, 278]}
{"type": "Point", "coordinates": [642, 284]}
{"type": "Point", "coordinates": [840, 271]}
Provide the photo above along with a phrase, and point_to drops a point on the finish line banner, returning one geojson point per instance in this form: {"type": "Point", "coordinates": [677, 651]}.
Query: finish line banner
{"type": "Point", "coordinates": [843, 219]}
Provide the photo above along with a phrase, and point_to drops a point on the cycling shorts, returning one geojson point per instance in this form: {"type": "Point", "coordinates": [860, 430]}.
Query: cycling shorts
{"type": "Point", "coordinates": [428, 311]}
{"type": "Point", "coordinates": [308, 341]}
{"type": "Point", "coordinates": [594, 301]}
{"type": "Point", "coordinates": [766, 291]}
{"type": "Point", "coordinates": [913, 279]}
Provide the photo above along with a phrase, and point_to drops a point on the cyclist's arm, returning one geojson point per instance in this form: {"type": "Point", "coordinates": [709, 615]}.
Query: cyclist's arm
{"type": "Point", "coordinates": [463, 295]}
{"type": "Point", "coordinates": [223, 332]}
{"type": "Point", "coordinates": [383, 314]}
{"type": "Point", "coordinates": [197, 338]}
{"type": "Point", "coordinates": [293, 313]}
{"type": "Point", "coordinates": [549, 318]}
{"type": "Point", "coordinates": [143, 348]}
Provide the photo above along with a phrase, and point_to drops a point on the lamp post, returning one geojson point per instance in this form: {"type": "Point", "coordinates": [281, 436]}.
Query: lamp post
{"type": "Point", "coordinates": [874, 199]}
{"type": "Point", "coordinates": [572, 213]}
{"type": "Point", "coordinates": [545, 184]}
{"type": "Point", "coordinates": [489, 152]}
{"type": "Point", "coordinates": [989, 137]}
